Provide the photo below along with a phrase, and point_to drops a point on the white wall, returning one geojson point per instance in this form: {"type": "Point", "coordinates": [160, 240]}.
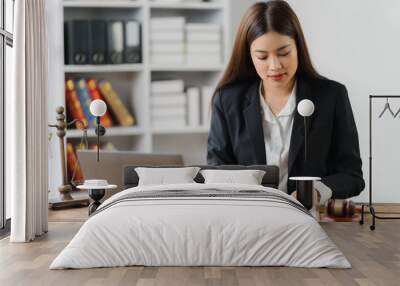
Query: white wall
{"type": "Point", "coordinates": [357, 43]}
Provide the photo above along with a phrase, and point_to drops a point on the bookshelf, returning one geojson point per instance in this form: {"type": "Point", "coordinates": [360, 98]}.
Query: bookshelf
{"type": "Point", "coordinates": [103, 4]}
{"type": "Point", "coordinates": [185, 68]}
{"type": "Point", "coordinates": [111, 131]}
{"type": "Point", "coordinates": [183, 130]}
{"type": "Point", "coordinates": [213, 5]}
{"type": "Point", "coordinates": [103, 68]}
{"type": "Point", "coordinates": [133, 81]}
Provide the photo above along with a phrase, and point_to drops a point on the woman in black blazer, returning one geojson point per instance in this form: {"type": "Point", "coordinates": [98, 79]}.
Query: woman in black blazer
{"type": "Point", "coordinates": [270, 62]}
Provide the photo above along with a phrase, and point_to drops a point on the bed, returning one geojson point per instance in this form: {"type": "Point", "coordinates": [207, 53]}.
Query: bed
{"type": "Point", "coordinates": [201, 224]}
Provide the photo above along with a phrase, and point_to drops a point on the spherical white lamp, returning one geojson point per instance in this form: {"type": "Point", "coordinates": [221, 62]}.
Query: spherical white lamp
{"type": "Point", "coordinates": [98, 107]}
{"type": "Point", "coordinates": [305, 107]}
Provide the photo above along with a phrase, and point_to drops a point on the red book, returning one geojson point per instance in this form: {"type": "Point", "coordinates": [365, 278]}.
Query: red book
{"type": "Point", "coordinates": [94, 93]}
{"type": "Point", "coordinates": [121, 113]}
{"type": "Point", "coordinates": [74, 107]}
{"type": "Point", "coordinates": [72, 161]}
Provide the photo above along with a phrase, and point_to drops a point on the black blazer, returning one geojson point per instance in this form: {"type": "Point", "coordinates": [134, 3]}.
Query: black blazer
{"type": "Point", "coordinates": [236, 134]}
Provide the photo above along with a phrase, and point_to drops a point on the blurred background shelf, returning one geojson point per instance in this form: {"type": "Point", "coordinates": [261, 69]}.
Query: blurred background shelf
{"type": "Point", "coordinates": [132, 82]}
{"type": "Point", "coordinates": [103, 68]}
{"type": "Point", "coordinates": [111, 131]}
{"type": "Point", "coordinates": [103, 3]}
{"type": "Point", "coordinates": [181, 130]}
{"type": "Point", "coordinates": [155, 67]}
{"type": "Point", "coordinates": [213, 5]}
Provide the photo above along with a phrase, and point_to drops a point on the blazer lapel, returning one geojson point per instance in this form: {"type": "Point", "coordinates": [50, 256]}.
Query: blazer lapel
{"type": "Point", "coordinates": [252, 115]}
{"type": "Point", "coordinates": [303, 91]}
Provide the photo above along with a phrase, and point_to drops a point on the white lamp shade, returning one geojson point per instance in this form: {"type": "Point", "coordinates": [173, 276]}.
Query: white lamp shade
{"type": "Point", "coordinates": [305, 107]}
{"type": "Point", "coordinates": [98, 107]}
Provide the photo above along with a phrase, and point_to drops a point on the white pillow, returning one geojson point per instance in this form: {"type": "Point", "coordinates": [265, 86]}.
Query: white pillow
{"type": "Point", "coordinates": [162, 176]}
{"type": "Point", "coordinates": [248, 177]}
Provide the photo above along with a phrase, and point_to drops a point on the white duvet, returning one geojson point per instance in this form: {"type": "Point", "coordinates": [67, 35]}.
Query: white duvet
{"type": "Point", "coordinates": [200, 231]}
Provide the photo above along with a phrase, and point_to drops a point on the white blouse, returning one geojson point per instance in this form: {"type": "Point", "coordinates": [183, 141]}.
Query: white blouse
{"type": "Point", "coordinates": [277, 134]}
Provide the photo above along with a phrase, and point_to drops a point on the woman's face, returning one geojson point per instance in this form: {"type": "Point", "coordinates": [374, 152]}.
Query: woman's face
{"type": "Point", "coordinates": [275, 59]}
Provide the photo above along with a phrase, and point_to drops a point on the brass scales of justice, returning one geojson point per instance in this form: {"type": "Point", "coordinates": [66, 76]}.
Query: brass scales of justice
{"type": "Point", "coordinates": [67, 198]}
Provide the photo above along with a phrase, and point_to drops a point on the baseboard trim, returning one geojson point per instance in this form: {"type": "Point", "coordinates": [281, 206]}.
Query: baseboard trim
{"type": "Point", "coordinates": [393, 208]}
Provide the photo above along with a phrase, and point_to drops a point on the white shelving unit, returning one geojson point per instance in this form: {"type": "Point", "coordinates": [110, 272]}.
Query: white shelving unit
{"type": "Point", "coordinates": [132, 81]}
{"type": "Point", "coordinates": [103, 4]}
{"type": "Point", "coordinates": [185, 68]}
{"type": "Point", "coordinates": [112, 131]}
{"type": "Point", "coordinates": [103, 68]}
{"type": "Point", "coordinates": [213, 5]}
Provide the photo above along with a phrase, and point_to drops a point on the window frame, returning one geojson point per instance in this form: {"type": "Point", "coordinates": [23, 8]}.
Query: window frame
{"type": "Point", "coordinates": [6, 39]}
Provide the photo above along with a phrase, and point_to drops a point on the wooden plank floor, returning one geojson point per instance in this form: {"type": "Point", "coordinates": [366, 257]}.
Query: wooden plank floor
{"type": "Point", "coordinates": [375, 257]}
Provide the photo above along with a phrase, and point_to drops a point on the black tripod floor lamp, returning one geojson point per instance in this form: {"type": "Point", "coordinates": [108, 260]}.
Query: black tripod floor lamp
{"type": "Point", "coordinates": [370, 206]}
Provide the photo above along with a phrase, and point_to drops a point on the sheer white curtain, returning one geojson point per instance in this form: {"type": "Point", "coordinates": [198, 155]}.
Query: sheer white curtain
{"type": "Point", "coordinates": [26, 129]}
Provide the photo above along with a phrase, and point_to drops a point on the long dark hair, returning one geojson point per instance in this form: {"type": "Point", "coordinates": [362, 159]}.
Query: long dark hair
{"type": "Point", "coordinates": [261, 18]}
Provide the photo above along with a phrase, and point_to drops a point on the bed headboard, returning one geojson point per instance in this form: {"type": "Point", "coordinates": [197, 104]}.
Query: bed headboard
{"type": "Point", "coordinates": [270, 179]}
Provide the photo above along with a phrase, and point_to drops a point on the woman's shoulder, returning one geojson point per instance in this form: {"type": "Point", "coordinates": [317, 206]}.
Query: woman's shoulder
{"type": "Point", "coordinates": [328, 90]}
{"type": "Point", "coordinates": [326, 84]}
{"type": "Point", "coordinates": [236, 91]}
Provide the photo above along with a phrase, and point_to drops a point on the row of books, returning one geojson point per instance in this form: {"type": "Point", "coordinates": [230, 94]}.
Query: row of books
{"type": "Point", "coordinates": [172, 106]}
{"type": "Point", "coordinates": [203, 43]}
{"type": "Point", "coordinates": [175, 41]}
{"type": "Point", "coordinates": [102, 42]}
{"type": "Point", "coordinates": [79, 93]}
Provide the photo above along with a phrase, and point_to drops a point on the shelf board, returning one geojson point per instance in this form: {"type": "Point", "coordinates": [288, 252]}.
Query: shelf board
{"type": "Point", "coordinates": [111, 131]}
{"type": "Point", "coordinates": [181, 130]}
{"type": "Point", "coordinates": [137, 68]}
{"type": "Point", "coordinates": [193, 68]}
{"type": "Point", "coordinates": [103, 68]}
{"type": "Point", "coordinates": [187, 5]}
{"type": "Point", "coordinates": [102, 4]}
